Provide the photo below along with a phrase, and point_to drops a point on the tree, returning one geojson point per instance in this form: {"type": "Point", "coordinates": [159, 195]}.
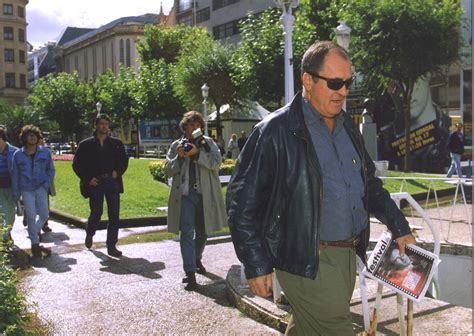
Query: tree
{"type": "Point", "coordinates": [209, 62]}
{"type": "Point", "coordinates": [399, 42]}
{"type": "Point", "coordinates": [117, 94]}
{"type": "Point", "coordinates": [258, 62]}
{"type": "Point", "coordinates": [258, 68]}
{"type": "Point", "coordinates": [63, 98]}
{"type": "Point", "coordinates": [167, 43]}
{"type": "Point", "coordinates": [154, 93]}
{"type": "Point", "coordinates": [15, 117]}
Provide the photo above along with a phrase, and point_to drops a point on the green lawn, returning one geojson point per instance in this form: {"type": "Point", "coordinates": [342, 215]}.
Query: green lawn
{"type": "Point", "coordinates": [143, 194]}
{"type": "Point", "coordinates": [141, 197]}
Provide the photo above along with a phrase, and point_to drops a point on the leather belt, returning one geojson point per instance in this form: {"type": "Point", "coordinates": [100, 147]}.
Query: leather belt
{"type": "Point", "coordinates": [341, 243]}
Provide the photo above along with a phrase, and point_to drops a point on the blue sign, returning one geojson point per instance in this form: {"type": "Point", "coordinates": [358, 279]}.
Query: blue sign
{"type": "Point", "coordinates": [160, 129]}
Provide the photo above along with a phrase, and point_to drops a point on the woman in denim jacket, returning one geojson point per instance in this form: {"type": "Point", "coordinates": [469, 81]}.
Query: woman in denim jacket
{"type": "Point", "coordinates": [32, 175]}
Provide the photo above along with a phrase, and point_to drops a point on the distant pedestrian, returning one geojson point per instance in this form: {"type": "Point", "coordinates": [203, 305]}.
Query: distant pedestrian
{"type": "Point", "coordinates": [100, 162]}
{"type": "Point", "coordinates": [32, 175]}
{"type": "Point", "coordinates": [456, 149]}
{"type": "Point", "coordinates": [232, 147]}
{"type": "Point", "coordinates": [242, 140]}
{"type": "Point", "coordinates": [196, 205]}
{"type": "Point", "coordinates": [7, 203]}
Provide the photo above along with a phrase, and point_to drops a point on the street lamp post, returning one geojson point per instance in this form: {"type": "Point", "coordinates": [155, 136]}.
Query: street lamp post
{"type": "Point", "coordinates": [98, 106]}
{"type": "Point", "coordinates": [343, 38]}
{"type": "Point", "coordinates": [205, 94]}
{"type": "Point", "coordinates": [287, 19]}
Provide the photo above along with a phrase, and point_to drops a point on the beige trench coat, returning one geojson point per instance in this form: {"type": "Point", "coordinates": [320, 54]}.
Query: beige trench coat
{"type": "Point", "coordinates": [215, 217]}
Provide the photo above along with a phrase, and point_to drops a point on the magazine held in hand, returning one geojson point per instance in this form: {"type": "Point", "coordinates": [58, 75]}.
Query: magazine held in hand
{"type": "Point", "coordinates": [409, 275]}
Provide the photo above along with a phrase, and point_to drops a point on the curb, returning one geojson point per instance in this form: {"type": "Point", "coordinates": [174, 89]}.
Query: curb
{"type": "Point", "coordinates": [124, 223]}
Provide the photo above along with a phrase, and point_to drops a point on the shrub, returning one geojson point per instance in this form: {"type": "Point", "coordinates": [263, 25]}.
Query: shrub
{"type": "Point", "coordinates": [157, 169]}
{"type": "Point", "coordinates": [13, 313]}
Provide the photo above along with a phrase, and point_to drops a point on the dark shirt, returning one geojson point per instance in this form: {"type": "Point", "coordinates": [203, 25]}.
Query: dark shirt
{"type": "Point", "coordinates": [106, 157]}
{"type": "Point", "coordinates": [241, 143]}
{"type": "Point", "coordinates": [342, 213]}
{"type": "Point", "coordinates": [5, 179]}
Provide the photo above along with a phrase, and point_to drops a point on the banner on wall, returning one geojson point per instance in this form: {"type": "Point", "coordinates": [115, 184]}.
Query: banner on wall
{"type": "Point", "coordinates": [419, 138]}
{"type": "Point", "coordinates": [160, 130]}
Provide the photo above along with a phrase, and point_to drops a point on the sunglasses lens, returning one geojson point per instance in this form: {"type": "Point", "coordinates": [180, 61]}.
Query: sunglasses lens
{"type": "Point", "coordinates": [335, 84]}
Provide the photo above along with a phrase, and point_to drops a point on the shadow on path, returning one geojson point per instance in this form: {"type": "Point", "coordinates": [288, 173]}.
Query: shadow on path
{"type": "Point", "coordinates": [54, 263]}
{"type": "Point", "coordinates": [126, 265]}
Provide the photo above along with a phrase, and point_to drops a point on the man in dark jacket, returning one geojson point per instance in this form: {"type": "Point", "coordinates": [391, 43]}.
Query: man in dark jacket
{"type": "Point", "coordinates": [300, 196]}
{"type": "Point", "coordinates": [100, 162]}
{"type": "Point", "coordinates": [456, 149]}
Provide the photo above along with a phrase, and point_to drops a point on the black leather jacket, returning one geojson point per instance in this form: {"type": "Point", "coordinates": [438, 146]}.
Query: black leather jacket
{"type": "Point", "coordinates": [275, 194]}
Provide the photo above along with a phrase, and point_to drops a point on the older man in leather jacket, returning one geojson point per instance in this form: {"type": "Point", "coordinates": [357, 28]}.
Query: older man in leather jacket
{"type": "Point", "coordinates": [299, 198]}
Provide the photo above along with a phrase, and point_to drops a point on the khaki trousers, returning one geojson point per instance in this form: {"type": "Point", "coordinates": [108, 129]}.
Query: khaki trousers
{"type": "Point", "coordinates": [321, 306]}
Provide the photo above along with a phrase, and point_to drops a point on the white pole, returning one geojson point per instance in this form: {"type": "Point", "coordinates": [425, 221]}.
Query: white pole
{"type": "Point", "coordinates": [287, 19]}
{"type": "Point", "coordinates": [205, 116]}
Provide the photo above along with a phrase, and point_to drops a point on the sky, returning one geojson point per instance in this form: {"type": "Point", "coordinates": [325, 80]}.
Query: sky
{"type": "Point", "coordinates": [47, 19]}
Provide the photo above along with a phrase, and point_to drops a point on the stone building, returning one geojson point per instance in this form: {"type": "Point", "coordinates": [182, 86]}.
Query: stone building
{"type": "Point", "coordinates": [13, 48]}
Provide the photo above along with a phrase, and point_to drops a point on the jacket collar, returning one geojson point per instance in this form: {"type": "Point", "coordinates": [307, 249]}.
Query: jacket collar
{"type": "Point", "coordinates": [295, 117]}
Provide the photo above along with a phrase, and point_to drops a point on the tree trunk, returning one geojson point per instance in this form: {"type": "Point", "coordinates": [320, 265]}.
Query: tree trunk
{"type": "Point", "coordinates": [218, 121]}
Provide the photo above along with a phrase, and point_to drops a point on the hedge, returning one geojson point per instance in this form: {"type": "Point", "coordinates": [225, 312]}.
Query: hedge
{"type": "Point", "coordinates": [157, 169]}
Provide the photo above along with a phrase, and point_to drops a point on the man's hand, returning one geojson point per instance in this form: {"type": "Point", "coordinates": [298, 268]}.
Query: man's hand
{"type": "Point", "coordinates": [261, 285]}
{"type": "Point", "coordinates": [94, 182]}
{"type": "Point", "coordinates": [192, 152]}
{"type": "Point", "coordinates": [114, 174]}
{"type": "Point", "coordinates": [403, 241]}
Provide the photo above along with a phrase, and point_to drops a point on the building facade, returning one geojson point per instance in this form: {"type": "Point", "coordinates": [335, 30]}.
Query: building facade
{"type": "Point", "coordinates": [13, 49]}
{"type": "Point", "coordinates": [106, 47]}
{"type": "Point", "coordinates": [220, 17]}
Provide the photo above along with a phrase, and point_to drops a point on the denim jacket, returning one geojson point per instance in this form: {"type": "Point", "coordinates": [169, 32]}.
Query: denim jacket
{"type": "Point", "coordinates": [28, 175]}
{"type": "Point", "coordinates": [11, 150]}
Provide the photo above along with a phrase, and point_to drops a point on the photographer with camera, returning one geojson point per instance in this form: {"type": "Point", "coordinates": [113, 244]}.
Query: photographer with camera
{"type": "Point", "coordinates": [195, 206]}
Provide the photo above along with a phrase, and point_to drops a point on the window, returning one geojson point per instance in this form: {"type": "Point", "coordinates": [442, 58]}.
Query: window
{"type": "Point", "coordinates": [203, 15]}
{"type": "Point", "coordinates": [76, 63]}
{"type": "Point", "coordinates": [122, 52]}
{"type": "Point", "coordinates": [186, 19]}
{"type": "Point", "coordinates": [128, 53]}
{"type": "Point", "coordinates": [9, 55]}
{"type": "Point", "coordinates": [226, 30]}
{"type": "Point", "coordinates": [21, 11]}
{"type": "Point", "coordinates": [184, 5]}
{"type": "Point", "coordinates": [22, 81]}
{"type": "Point", "coordinates": [21, 35]}
{"type": "Point", "coordinates": [7, 9]}
{"type": "Point", "coordinates": [216, 4]}
{"type": "Point", "coordinates": [21, 56]}
{"type": "Point", "coordinates": [9, 80]}
{"type": "Point", "coordinates": [7, 33]}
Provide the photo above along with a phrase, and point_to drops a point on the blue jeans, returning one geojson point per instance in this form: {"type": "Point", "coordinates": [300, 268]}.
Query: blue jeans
{"type": "Point", "coordinates": [455, 165]}
{"type": "Point", "coordinates": [36, 211]}
{"type": "Point", "coordinates": [193, 231]}
{"type": "Point", "coordinates": [109, 188]}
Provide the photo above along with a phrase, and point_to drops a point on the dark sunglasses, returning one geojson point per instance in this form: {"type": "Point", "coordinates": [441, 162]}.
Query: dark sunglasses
{"type": "Point", "coordinates": [334, 83]}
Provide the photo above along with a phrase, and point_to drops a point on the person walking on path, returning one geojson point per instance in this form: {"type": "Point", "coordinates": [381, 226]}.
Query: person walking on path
{"type": "Point", "coordinates": [32, 176]}
{"type": "Point", "coordinates": [99, 162]}
{"type": "Point", "coordinates": [242, 140]}
{"type": "Point", "coordinates": [195, 206]}
{"type": "Point", "coordinates": [299, 198]}
{"type": "Point", "coordinates": [233, 147]}
{"type": "Point", "coordinates": [456, 149]}
{"type": "Point", "coordinates": [7, 203]}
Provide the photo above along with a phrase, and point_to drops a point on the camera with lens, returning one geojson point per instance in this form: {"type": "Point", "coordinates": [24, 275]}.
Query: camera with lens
{"type": "Point", "coordinates": [198, 140]}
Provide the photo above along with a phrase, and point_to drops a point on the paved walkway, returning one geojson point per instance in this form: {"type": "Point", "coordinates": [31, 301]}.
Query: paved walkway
{"type": "Point", "coordinates": [85, 292]}
{"type": "Point", "coordinates": [80, 291]}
